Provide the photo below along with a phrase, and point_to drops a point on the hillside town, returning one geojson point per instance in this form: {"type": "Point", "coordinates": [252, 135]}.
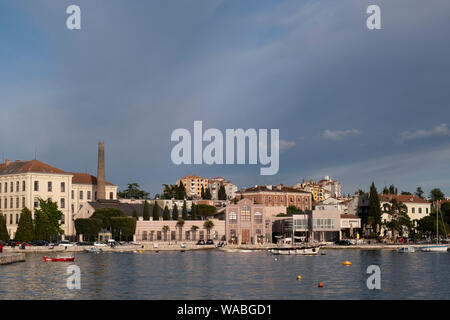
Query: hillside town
{"type": "Point", "coordinates": [198, 209]}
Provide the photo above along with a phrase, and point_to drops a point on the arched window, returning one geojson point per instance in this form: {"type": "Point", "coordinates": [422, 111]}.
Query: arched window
{"type": "Point", "coordinates": [245, 213]}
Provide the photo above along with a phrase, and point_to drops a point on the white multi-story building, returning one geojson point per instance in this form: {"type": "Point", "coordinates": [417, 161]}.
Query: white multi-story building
{"type": "Point", "coordinates": [23, 183]}
{"type": "Point", "coordinates": [215, 184]}
{"type": "Point", "coordinates": [416, 207]}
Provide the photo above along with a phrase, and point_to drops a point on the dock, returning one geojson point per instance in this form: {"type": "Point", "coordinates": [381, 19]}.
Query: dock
{"type": "Point", "coordinates": [8, 258]}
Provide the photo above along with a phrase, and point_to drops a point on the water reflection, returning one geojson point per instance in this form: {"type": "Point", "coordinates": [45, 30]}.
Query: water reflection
{"type": "Point", "coordinates": [222, 275]}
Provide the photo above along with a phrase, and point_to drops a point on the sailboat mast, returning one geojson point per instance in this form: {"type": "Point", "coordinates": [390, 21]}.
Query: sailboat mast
{"type": "Point", "coordinates": [437, 221]}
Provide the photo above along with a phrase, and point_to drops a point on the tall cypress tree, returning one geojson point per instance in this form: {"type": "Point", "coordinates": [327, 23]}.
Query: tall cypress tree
{"type": "Point", "coordinates": [4, 236]}
{"type": "Point", "coordinates": [222, 195]}
{"type": "Point", "coordinates": [207, 194]}
{"type": "Point", "coordinates": [146, 212]}
{"type": "Point", "coordinates": [25, 229]}
{"type": "Point", "coordinates": [175, 212]}
{"type": "Point", "coordinates": [166, 213]}
{"type": "Point", "coordinates": [374, 212]}
{"type": "Point", "coordinates": [155, 212]}
{"type": "Point", "coordinates": [194, 212]}
{"type": "Point", "coordinates": [203, 193]}
{"type": "Point", "coordinates": [135, 214]}
{"type": "Point", "coordinates": [184, 212]}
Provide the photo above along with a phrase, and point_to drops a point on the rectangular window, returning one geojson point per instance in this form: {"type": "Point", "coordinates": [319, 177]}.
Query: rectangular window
{"type": "Point", "coordinates": [23, 186]}
{"type": "Point", "coordinates": [36, 186]}
{"type": "Point", "coordinates": [17, 186]}
{"type": "Point", "coordinates": [63, 187]}
{"type": "Point", "coordinates": [420, 210]}
{"type": "Point", "coordinates": [49, 187]}
{"type": "Point", "coordinates": [11, 203]}
{"type": "Point", "coordinates": [63, 219]}
{"type": "Point", "coordinates": [172, 235]}
{"type": "Point", "coordinates": [187, 235]}
{"type": "Point", "coordinates": [6, 187]}
{"type": "Point", "coordinates": [81, 195]}
{"type": "Point", "coordinates": [73, 194]}
{"type": "Point", "coordinates": [17, 203]}
{"type": "Point", "coordinates": [426, 210]}
{"type": "Point", "coordinates": [73, 208]}
{"type": "Point", "coordinates": [11, 187]}
{"type": "Point", "coordinates": [23, 202]}
{"type": "Point", "coordinates": [6, 203]}
{"type": "Point", "coordinates": [36, 203]}
{"type": "Point", "coordinates": [89, 195]}
{"type": "Point", "coordinates": [0, 188]}
{"type": "Point", "coordinates": [158, 235]}
{"type": "Point", "coordinates": [11, 218]}
{"type": "Point", "coordinates": [63, 203]}
{"type": "Point", "coordinates": [202, 235]}
{"type": "Point", "coordinates": [413, 210]}
{"type": "Point", "coordinates": [111, 196]}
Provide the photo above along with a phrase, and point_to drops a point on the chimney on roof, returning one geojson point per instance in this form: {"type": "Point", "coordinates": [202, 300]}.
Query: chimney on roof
{"type": "Point", "coordinates": [101, 192]}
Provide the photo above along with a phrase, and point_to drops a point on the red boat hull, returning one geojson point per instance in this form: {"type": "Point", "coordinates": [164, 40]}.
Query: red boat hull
{"type": "Point", "coordinates": [47, 259]}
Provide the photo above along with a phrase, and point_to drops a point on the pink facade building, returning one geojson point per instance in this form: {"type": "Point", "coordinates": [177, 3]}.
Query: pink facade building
{"type": "Point", "coordinates": [250, 223]}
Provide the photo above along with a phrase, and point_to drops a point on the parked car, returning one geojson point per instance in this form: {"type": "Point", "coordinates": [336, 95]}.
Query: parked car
{"type": "Point", "coordinates": [200, 242]}
{"type": "Point", "coordinates": [209, 241]}
{"type": "Point", "coordinates": [66, 243]}
{"type": "Point", "coordinates": [99, 244]}
{"type": "Point", "coordinates": [84, 243]}
{"type": "Point", "coordinates": [39, 243]}
{"type": "Point", "coordinates": [343, 242]}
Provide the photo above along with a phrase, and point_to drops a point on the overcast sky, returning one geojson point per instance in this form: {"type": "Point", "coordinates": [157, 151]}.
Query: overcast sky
{"type": "Point", "coordinates": [358, 105]}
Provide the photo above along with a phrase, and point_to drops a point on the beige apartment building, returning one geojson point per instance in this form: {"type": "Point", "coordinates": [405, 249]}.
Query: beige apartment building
{"type": "Point", "coordinates": [23, 183]}
{"type": "Point", "coordinates": [193, 185]}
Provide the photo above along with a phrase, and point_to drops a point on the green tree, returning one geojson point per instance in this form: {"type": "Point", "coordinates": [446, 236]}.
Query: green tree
{"type": "Point", "coordinates": [155, 212]}
{"type": "Point", "coordinates": [406, 193]}
{"type": "Point", "coordinates": [202, 194]}
{"type": "Point", "coordinates": [105, 215]}
{"type": "Point", "coordinates": [419, 192]}
{"type": "Point", "coordinates": [205, 210]}
{"type": "Point", "coordinates": [53, 215]}
{"type": "Point", "coordinates": [165, 230]}
{"type": "Point", "coordinates": [166, 213]}
{"type": "Point", "coordinates": [385, 190]}
{"type": "Point", "coordinates": [436, 194]}
{"type": "Point", "coordinates": [25, 229]}
{"type": "Point", "coordinates": [42, 226]}
{"type": "Point", "coordinates": [4, 236]}
{"type": "Point", "coordinates": [208, 195]}
{"type": "Point", "coordinates": [194, 212]}
{"type": "Point", "coordinates": [293, 210]}
{"type": "Point", "coordinates": [88, 227]}
{"type": "Point", "coordinates": [133, 192]}
{"type": "Point", "coordinates": [374, 211]}
{"type": "Point", "coordinates": [146, 211]}
{"type": "Point", "coordinates": [135, 214]}
{"type": "Point", "coordinates": [184, 212]}
{"type": "Point", "coordinates": [175, 212]}
{"type": "Point", "coordinates": [399, 219]}
{"type": "Point", "coordinates": [180, 192]}
{"type": "Point", "coordinates": [222, 194]}
{"type": "Point", "coordinates": [123, 227]}
{"type": "Point", "coordinates": [208, 225]}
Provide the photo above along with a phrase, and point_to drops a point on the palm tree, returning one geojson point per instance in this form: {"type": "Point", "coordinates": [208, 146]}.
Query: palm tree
{"type": "Point", "coordinates": [180, 224]}
{"type": "Point", "coordinates": [208, 225]}
{"type": "Point", "coordinates": [165, 230]}
{"type": "Point", "coordinates": [194, 230]}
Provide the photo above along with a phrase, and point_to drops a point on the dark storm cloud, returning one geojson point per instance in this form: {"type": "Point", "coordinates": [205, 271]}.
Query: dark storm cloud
{"type": "Point", "coordinates": [139, 69]}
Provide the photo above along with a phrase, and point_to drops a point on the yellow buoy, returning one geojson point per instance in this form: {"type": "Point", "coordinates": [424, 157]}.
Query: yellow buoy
{"type": "Point", "coordinates": [140, 251]}
{"type": "Point", "coordinates": [299, 277]}
{"type": "Point", "coordinates": [347, 263]}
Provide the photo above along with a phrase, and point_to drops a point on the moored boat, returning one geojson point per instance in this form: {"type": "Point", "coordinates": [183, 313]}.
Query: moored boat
{"type": "Point", "coordinates": [302, 250]}
{"type": "Point", "coordinates": [59, 259]}
{"type": "Point", "coordinates": [435, 248]}
{"type": "Point", "coordinates": [406, 249]}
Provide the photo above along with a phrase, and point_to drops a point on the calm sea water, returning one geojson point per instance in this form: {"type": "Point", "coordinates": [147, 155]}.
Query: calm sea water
{"type": "Point", "coordinates": [222, 275]}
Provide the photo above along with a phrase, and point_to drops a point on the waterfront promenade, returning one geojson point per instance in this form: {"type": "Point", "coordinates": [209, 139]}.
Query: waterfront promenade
{"type": "Point", "coordinates": [175, 246]}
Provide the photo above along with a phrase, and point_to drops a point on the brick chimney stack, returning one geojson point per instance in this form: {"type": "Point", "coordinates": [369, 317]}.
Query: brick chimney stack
{"type": "Point", "coordinates": [101, 192]}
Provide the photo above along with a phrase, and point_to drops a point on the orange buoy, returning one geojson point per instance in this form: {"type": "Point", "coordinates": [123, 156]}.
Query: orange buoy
{"type": "Point", "coordinates": [320, 285]}
{"type": "Point", "coordinates": [299, 277]}
{"type": "Point", "coordinates": [103, 265]}
{"type": "Point", "coordinates": [347, 263]}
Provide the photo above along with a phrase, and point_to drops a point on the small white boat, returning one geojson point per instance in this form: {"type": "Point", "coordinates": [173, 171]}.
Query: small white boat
{"type": "Point", "coordinates": [302, 250]}
{"type": "Point", "coordinates": [406, 249]}
{"type": "Point", "coordinates": [435, 248]}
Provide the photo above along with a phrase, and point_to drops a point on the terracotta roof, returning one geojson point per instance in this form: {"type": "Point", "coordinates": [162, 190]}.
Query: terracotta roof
{"type": "Point", "coordinates": [349, 216]}
{"type": "Point", "coordinates": [85, 178]}
{"type": "Point", "coordinates": [28, 166]}
{"type": "Point", "coordinates": [402, 198]}
{"type": "Point", "coordinates": [274, 189]}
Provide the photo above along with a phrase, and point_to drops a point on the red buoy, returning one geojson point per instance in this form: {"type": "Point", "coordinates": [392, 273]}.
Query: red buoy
{"type": "Point", "coordinates": [320, 285]}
